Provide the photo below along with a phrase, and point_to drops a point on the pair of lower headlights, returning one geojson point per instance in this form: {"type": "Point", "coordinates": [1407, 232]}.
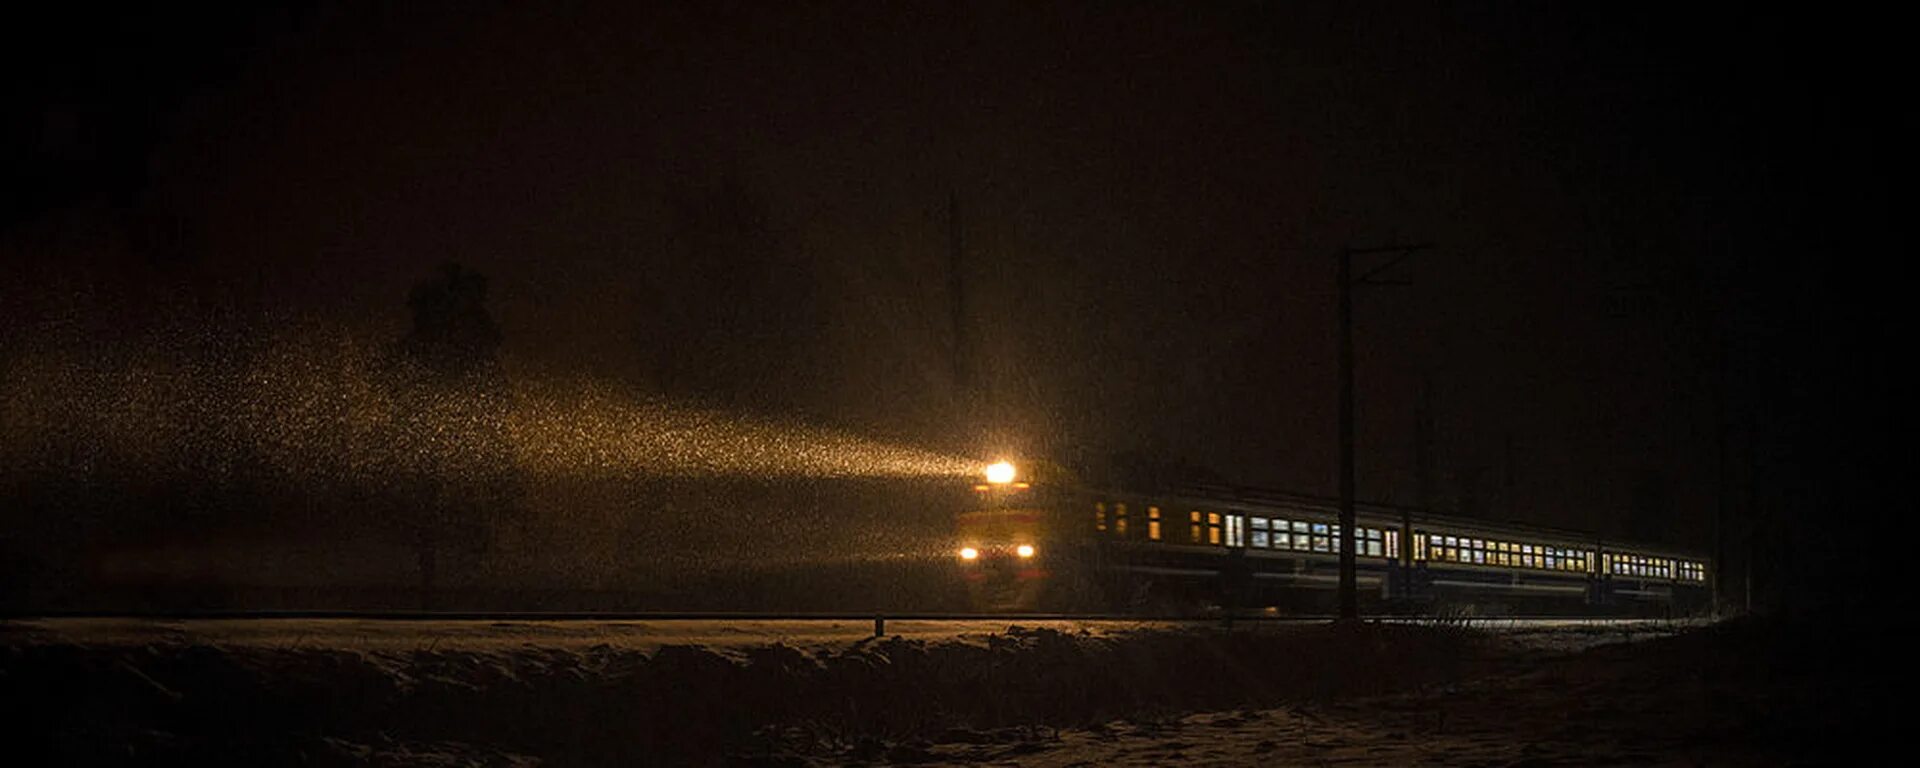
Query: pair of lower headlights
{"type": "Point", "coordinates": [969, 553]}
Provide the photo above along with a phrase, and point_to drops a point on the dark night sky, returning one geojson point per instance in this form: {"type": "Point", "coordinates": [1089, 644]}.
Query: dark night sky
{"type": "Point", "coordinates": [1151, 200]}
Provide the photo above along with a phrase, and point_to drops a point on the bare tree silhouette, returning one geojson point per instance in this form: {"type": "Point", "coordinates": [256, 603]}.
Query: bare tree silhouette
{"type": "Point", "coordinates": [454, 463]}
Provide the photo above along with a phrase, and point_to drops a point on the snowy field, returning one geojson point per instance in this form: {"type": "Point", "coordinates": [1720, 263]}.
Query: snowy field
{"type": "Point", "coordinates": [1040, 693]}
{"type": "Point", "coordinates": [721, 635]}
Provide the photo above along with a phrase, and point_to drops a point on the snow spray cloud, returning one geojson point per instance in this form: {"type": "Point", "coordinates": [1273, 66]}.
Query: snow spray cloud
{"type": "Point", "coordinates": [322, 406]}
{"type": "Point", "coordinates": [583, 429]}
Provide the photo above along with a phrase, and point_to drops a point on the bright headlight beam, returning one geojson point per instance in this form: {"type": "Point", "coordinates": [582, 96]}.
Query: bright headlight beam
{"type": "Point", "coordinates": [1000, 473]}
{"type": "Point", "coordinates": [969, 553]}
{"type": "Point", "coordinates": [1025, 550]}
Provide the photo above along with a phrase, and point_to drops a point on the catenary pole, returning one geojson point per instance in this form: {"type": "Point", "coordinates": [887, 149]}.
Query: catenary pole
{"type": "Point", "coordinates": [1349, 597]}
{"type": "Point", "coordinates": [1349, 592]}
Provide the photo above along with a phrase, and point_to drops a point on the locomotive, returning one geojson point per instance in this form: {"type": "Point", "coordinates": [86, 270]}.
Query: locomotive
{"type": "Point", "coordinates": [1038, 539]}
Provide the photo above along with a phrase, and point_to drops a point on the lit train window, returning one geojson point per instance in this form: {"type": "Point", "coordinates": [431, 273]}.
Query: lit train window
{"type": "Point", "coordinates": [1259, 538]}
{"type": "Point", "coordinates": [1282, 541]}
{"type": "Point", "coordinates": [1258, 523]}
{"type": "Point", "coordinates": [1213, 518]}
{"type": "Point", "coordinates": [1153, 523]}
{"type": "Point", "coordinates": [1393, 543]}
{"type": "Point", "coordinates": [1120, 520]}
{"type": "Point", "coordinates": [1099, 516]}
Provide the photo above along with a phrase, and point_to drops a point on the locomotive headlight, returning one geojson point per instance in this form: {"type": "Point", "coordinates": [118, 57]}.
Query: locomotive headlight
{"type": "Point", "coordinates": [969, 553]}
{"type": "Point", "coordinates": [1024, 550]}
{"type": "Point", "coordinates": [1000, 473]}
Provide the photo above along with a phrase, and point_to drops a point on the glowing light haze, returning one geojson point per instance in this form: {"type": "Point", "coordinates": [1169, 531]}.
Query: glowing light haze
{"type": "Point", "coordinates": [317, 409]}
{"type": "Point", "coordinates": [583, 429]}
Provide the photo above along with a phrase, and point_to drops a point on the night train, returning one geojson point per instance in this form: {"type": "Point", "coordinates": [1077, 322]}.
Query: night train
{"type": "Point", "coordinates": [1036, 539]}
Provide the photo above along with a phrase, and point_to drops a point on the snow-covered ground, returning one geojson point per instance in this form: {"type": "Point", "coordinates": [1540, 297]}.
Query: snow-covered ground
{"type": "Point", "coordinates": [724, 635]}
{"type": "Point", "coordinates": [360, 692]}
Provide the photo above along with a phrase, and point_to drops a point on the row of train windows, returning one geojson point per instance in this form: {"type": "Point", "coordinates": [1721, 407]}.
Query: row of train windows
{"type": "Point", "coordinates": [1656, 567]}
{"type": "Point", "coordinates": [1463, 549]}
{"type": "Point", "coordinates": [1307, 536]}
{"type": "Point", "coordinates": [1303, 536]}
{"type": "Point", "coordinates": [1201, 527]}
{"type": "Point", "coordinates": [1267, 533]}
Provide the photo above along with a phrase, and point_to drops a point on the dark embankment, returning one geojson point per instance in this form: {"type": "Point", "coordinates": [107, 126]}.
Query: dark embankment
{"type": "Point", "coordinates": [196, 704]}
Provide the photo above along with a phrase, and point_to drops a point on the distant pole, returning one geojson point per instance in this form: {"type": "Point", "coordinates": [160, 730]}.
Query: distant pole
{"type": "Point", "coordinates": [1720, 503]}
{"type": "Point", "coordinates": [1750, 531]}
{"type": "Point", "coordinates": [1422, 467]}
{"type": "Point", "coordinates": [1349, 589]}
{"type": "Point", "coordinates": [1349, 582]}
{"type": "Point", "coordinates": [1513, 509]}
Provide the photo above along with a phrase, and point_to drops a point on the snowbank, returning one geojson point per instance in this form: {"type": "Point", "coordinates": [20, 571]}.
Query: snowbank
{"type": "Point", "coordinates": [164, 700]}
{"type": "Point", "coordinates": [1365, 694]}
